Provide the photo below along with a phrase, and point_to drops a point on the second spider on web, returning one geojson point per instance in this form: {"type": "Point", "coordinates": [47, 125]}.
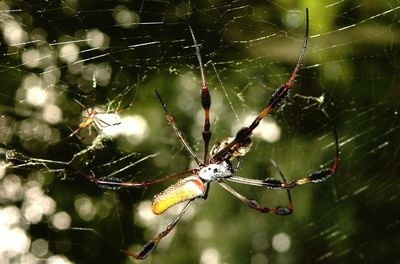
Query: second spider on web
{"type": "Point", "coordinates": [98, 118]}
{"type": "Point", "coordinates": [217, 167]}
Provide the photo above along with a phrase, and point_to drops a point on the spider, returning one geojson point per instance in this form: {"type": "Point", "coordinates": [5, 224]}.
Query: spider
{"type": "Point", "coordinates": [98, 119]}
{"type": "Point", "coordinates": [195, 183]}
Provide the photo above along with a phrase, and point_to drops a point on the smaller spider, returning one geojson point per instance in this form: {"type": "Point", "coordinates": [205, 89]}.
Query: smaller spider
{"type": "Point", "coordinates": [99, 119]}
{"type": "Point", "coordinates": [195, 183]}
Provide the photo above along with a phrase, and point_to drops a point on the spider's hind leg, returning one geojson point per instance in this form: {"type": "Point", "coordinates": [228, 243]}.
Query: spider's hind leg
{"type": "Point", "coordinates": [315, 176]}
{"type": "Point", "coordinates": [152, 244]}
{"type": "Point", "coordinates": [279, 210]}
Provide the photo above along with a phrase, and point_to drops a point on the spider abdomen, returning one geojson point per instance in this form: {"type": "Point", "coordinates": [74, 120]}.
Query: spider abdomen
{"type": "Point", "coordinates": [183, 190]}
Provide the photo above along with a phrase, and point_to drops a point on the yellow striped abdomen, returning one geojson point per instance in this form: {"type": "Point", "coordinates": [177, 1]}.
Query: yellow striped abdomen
{"type": "Point", "coordinates": [183, 190]}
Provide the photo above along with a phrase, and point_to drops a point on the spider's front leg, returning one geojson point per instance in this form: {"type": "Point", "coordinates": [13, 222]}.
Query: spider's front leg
{"type": "Point", "coordinates": [278, 96]}
{"type": "Point", "coordinates": [205, 99]}
{"type": "Point", "coordinates": [178, 133]}
{"type": "Point", "coordinates": [314, 177]}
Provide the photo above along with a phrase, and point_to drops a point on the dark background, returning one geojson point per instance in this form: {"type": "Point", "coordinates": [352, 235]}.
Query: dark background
{"type": "Point", "coordinates": [248, 49]}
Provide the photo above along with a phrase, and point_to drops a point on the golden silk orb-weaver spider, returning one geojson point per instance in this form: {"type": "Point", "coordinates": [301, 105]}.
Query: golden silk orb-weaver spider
{"type": "Point", "coordinates": [195, 183]}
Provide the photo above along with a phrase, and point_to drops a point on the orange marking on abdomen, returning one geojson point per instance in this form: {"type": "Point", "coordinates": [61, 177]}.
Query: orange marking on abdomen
{"type": "Point", "coordinates": [183, 190]}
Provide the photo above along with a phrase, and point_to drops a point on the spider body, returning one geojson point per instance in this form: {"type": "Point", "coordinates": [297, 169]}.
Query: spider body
{"type": "Point", "coordinates": [194, 186]}
{"type": "Point", "coordinates": [195, 183]}
{"type": "Point", "coordinates": [99, 119]}
{"type": "Point", "coordinates": [216, 171]}
{"type": "Point", "coordinates": [89, 120]}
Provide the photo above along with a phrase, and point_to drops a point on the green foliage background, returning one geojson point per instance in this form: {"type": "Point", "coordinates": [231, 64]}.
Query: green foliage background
{"type": "Point", "coordinates": [352, 59]}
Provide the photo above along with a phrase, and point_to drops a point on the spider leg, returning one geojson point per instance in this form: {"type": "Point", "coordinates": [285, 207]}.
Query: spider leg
{"type": "Point", "coordinates": [247, 181]}
{"type": "Point", "coordinates": [87, 123]}
{"type": "Point", "coordinates": [104, 123]}
{"type": "Point", "coordinates": [124, 108]}
{"type": "Point", "coordinates": [80, 104]}
{"type": "Point", "coordinates": [256, 182]}
{"type": "Point", "coordinates": [275, 99]}
{"type": "Point", "coordinates": [84, 124]}
{"type": "Point", "coordinates": [178, 133]}
{"type": "Point", "coordinates": [97, 124]}
{"type": "Point", "coordinates": [152, 244]}
{"type": "Point", "coordinates": [83, 107]}
{"type": "Point", "coordinates": [279, 210]}
{"type": "Point", "coordinates": [89, 134]}
{"type": "Point", "coordinates": [101, 124]}
{"type": "Point", "coordinates": [313, 177]}
{"type": "Point", "coordinates": [205, 99]}
{"type": "Point", "coordinates": [113, 183]}
{"type": "Point", "coordinates": [75, 132]}
{"type": "Point", "coordinates": [205, 196]}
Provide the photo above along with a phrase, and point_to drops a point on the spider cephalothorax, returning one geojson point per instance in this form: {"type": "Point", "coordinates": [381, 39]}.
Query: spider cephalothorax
{"type": "Point", "coordinates": [238, 150]}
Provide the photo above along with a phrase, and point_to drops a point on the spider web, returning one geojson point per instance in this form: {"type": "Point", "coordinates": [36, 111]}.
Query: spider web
{"type": "Point", "coordinates": [112, 54]}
